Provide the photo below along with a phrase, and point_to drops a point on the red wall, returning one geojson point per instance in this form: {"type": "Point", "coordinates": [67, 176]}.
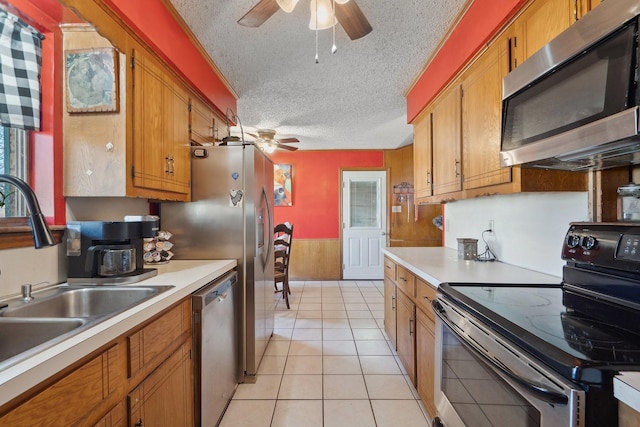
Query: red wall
{"type": "Point", "coordinates": [46, 145]}
{"type": "Point", "coordinates": [476, 27]}
{"type": "Point", "coordinates": [316, 188]}
{"type": "Point", "coordinates": [152, 21]}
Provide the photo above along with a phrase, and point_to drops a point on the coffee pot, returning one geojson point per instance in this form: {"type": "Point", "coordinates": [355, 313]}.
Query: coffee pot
{"type": "Point", "coordinates": [108, 252]}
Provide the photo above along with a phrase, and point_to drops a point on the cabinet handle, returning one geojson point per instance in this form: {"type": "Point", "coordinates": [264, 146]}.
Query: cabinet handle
{"type": "Point", "coordinates": [139, 423]}
{"type": "Point", "coordinates": [575, 10]}
{"type": "Point", "coordinates": [428, 299]}
{"type": "Point", "coordinates": [402, 278]}
{"type": "Point", "coordinates": [428, 177]}
{"type": "Point", "coordinates": [393, 303]}
{"type": "Point", "coordinates": [170, 165]}
{"type": "Point", "coordinates": [455, 165]}
{"type": "Point", "coordinates": [410, 326]}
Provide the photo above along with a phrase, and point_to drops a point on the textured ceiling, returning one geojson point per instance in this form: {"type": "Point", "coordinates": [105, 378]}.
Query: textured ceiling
{"type": "Point", "coordinates": [353, 99]}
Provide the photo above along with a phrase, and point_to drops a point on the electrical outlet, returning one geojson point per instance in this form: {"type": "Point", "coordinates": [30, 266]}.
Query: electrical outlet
{"type": "Point", "coordinates": [492, 226]}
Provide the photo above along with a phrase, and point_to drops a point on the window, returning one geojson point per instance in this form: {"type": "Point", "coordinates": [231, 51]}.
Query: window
{"type": "Point", "coordinates": [13, 161]}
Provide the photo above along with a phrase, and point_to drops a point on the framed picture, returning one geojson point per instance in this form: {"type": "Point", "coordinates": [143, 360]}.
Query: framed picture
{"type": "Point", "coordinates": [92, 80]}
{"type": "Point", "coordinates": [282, 185]}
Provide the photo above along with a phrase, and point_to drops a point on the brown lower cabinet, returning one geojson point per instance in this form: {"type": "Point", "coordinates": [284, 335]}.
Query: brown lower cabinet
{"type": "Point", "coordinates": [390, 303]}
{"type": "Point", "coordinates": [414, 327]}
{"type": "Point", "coordinates": [103, 390]}
{"type": "Point", "coordinates": [627, 416]}
{"type": "Point", "coordinates": [165, 397]}
{"type": "Point", "coordinates": [406, 337]}
{"type": "Point", "coordinates": [425, 360]}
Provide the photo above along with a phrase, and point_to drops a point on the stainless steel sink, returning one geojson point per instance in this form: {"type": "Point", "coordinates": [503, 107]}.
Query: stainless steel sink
{"type": "Point", "coordinates": [26, 337]}
{"type": "Point", "coordinates": [55, 314]}
{"type": "Point", "coordinates": [83, 302]}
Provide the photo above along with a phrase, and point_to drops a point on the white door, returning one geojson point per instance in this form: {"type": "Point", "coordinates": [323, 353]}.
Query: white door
{"type": "Point", "coordinates": [364, 223]}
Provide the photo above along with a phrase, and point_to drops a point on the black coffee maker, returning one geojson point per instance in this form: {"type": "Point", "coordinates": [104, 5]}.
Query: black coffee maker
{"type": "Point", "coordinates": [102, 252]}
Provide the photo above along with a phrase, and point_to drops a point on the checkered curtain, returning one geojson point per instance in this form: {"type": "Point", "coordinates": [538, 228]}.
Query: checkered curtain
{"type": "Point", "coordinates": [20, 63]}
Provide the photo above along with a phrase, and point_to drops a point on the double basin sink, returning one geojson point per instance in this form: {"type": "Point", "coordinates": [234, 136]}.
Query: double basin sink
{"type": "Point", "coordinates": [58, 313]}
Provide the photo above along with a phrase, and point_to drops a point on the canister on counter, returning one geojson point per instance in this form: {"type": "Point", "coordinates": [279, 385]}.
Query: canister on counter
{"type": "Point", "coordinates": [629, 202]}
{"type": "Point", "coordinates": [467, 248]}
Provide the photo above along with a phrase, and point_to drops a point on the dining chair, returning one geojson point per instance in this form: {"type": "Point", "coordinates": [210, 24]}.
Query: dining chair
{"type": "Point", "coordinates": [283, 236]}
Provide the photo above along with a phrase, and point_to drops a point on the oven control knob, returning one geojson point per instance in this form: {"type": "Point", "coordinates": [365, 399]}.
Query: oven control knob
{"type": "Point", "coordinates": [573, 240]}
{"type": "Point", "coordinates": [589, 242]}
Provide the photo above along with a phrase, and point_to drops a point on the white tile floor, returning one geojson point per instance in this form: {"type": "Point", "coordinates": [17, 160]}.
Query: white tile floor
{"type": "Point", "coordinates": [329, 364]}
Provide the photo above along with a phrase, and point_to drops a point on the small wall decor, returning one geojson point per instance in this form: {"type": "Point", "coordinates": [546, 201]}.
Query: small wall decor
{"type": "Point", "coordinates": [282, 185]}
{"type": "Point", "coordinates": [92, 80]}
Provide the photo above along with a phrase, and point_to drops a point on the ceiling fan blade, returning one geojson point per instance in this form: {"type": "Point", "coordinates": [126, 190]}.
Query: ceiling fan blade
{"type": "Point", "coordinates": [259, 13]}
{"type": "Point", "coordinates": [352, 19]}
{"type": "Point", "coordinates": [288, 140]}
{"type": "Point", "coordinates": [286, 147]}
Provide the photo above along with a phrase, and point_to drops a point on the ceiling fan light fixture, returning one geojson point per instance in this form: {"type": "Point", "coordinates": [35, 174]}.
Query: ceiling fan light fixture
{"type": "Point", "coordinates": [342, 1]}
{"type": "Point", "coordinates": [287, 5]}
{"type": "Point", "coordinates": [322, 16]}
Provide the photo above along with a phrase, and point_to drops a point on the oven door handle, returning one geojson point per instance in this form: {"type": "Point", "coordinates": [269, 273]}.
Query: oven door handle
{"type": "Point", "coordinates": [537, 390]}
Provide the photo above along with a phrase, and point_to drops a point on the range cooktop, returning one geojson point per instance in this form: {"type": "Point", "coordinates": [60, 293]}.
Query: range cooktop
{"type": "Point", "coordinates": [537, 319]}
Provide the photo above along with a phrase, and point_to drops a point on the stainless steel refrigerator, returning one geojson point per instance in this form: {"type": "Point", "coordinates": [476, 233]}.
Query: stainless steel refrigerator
{"type": "Point", "coordinates": [231, 216]}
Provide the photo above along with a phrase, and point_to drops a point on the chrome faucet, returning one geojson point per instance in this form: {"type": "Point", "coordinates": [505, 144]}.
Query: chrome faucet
{"type": "Point", "coordinates": [42, 236]}
{"type": "Point", "coordinates": [26, 292]}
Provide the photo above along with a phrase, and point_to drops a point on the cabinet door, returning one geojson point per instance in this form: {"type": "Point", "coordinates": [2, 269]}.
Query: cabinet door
{"type": "Point", "coordinates": [201, 124]}
{"type": "Point", "coordinates": [149, 164]}
{"type": "Point", "coordinates": [161, 156]}
{"type": "Point", "coordinates": [584, 6]}
{"type": "Point", "coordinates": [117, 417]}
{"type": "Point", "coordinates": [540, 23]}
{"type": "Point", "coordinates": [425, 360]}
{"type": "Point", "coordinates": [481, 118]}
{"type": "Point", "coordinates": [79, 398]}
{"type": "Point", "coordinates": [165, 398]}
{"type": "Point", "coordinates": [446, 118]}
{"type": "Point", "coordinates": [390, 303]}
{"type": "Point", "coordinates": [176, 139]}
{"type": "Point", "coordinates": [406, 335]}
{"type": "Point", "coordinates": [422, 156]}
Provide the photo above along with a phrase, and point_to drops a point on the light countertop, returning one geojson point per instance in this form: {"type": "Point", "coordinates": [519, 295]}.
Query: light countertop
{"type": "Point", "coordinates": [185, 276]}
{"type": "Point", "coordinates": [626, 388]}
{"type": "Point", "coordinates": [437, 265]}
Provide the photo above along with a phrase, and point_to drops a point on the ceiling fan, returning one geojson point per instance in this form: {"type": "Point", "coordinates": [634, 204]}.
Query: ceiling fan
{"type": "Point", "coordinates": [266, 138]}
{"type": "Point", "coordinates": [347, 12]}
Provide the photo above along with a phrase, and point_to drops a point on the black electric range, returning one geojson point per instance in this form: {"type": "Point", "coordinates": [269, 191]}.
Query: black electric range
{"type": "Point", "coordinates": [586, 328]}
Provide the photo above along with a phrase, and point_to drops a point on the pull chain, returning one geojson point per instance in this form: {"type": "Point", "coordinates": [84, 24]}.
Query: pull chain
{"type": "Point", "coordinates": [317, 60]}
{"type": "Point", "coordinates": [334, 48]}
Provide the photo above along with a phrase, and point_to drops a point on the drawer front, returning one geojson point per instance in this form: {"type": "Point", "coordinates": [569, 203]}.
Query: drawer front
{"type": "Point", "coordinates": [426, 319]}
{"type": "Point", "coordinates": [150, 345]}
{"type": "Point", "coordinates": [390, 269]}
{"type": "Point", "coordinates": [426, 293]}
{"type": "Point", "coordinates": [406, 281]}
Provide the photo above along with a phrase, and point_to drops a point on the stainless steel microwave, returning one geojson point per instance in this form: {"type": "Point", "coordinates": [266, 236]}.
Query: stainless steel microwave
{"type": "Point", "coordinates": [573, 105]}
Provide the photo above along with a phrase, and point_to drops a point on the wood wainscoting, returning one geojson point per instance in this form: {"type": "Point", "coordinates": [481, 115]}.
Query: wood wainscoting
{"type": "Point", "coordinates": [315, 259]}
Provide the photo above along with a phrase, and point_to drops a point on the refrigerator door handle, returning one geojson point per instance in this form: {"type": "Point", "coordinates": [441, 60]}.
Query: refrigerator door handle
{"type": "Point", "coordinates": [268, 230]}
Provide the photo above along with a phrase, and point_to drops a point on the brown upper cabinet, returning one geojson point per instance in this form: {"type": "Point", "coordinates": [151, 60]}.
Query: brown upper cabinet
{"type": "Point", "coordinates": [457, 136]}
{"type": "Point", "coordinates": [446, 140]}
{"type": "Point", "coordinates": [161, 154]}
{"type": "Point", "coordinates": [422, 162]}
{"type": "Point", "coordinates": [481, 110]}
{"type": "Point", "coordinates": [542, 21]}
{"type": "Point", "coordinates": [202, 122]}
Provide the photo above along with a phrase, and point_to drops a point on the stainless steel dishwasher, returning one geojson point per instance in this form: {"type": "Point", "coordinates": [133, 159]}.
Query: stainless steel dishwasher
{"type": "Point", "coordinates": [215, 348]}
